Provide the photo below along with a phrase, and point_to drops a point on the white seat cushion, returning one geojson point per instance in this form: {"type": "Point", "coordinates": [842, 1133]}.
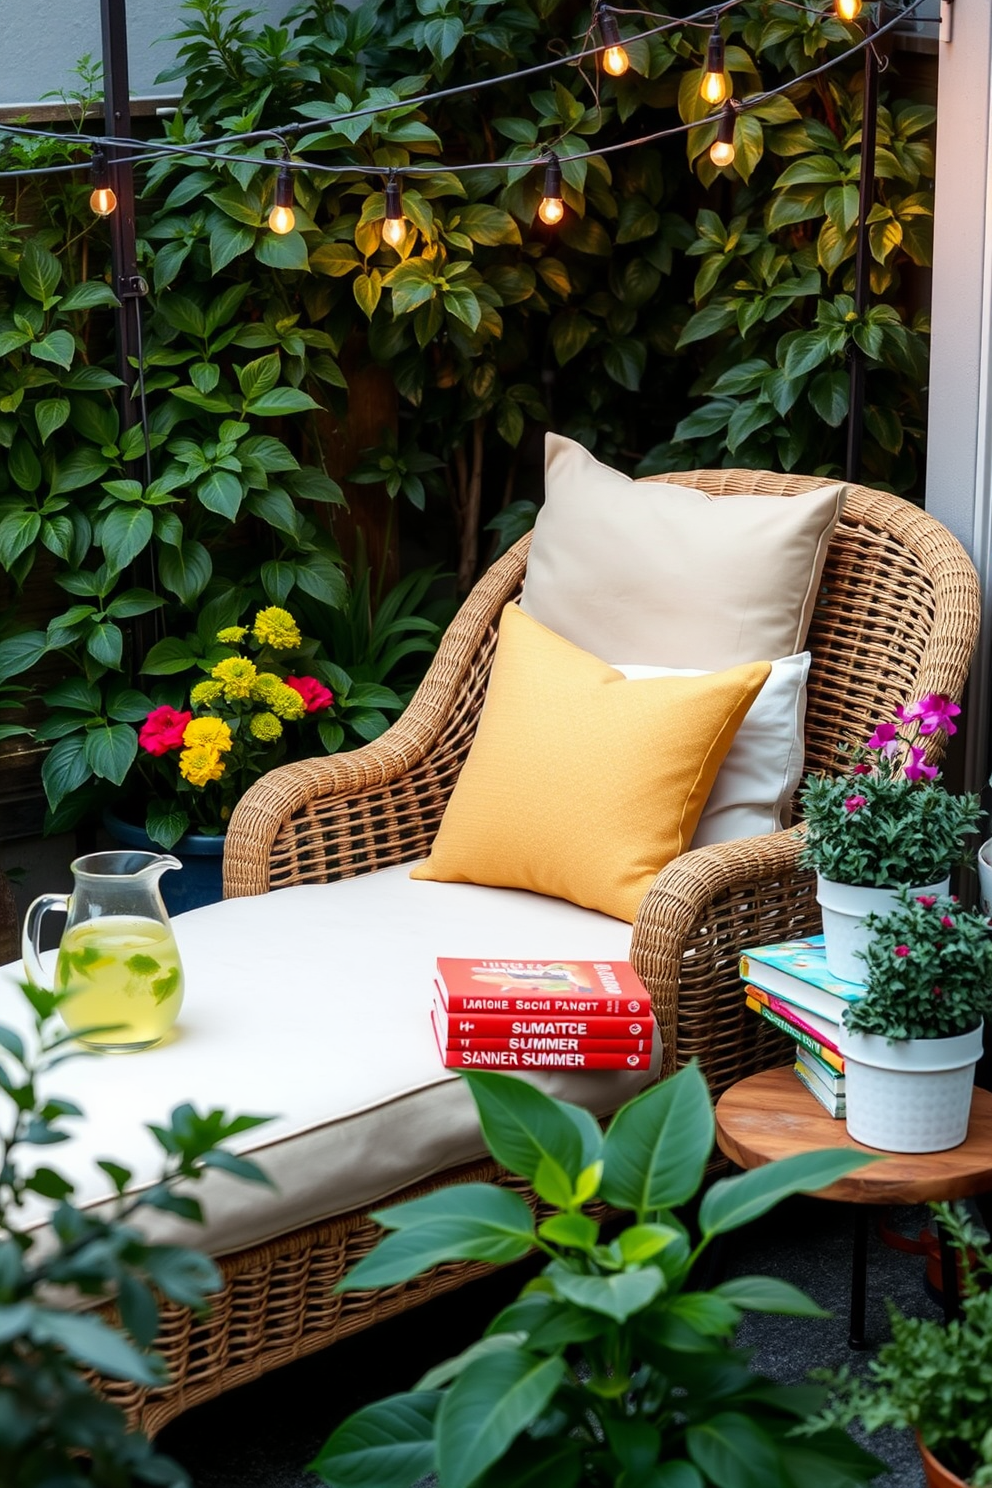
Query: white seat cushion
{"type": "Point", "coordinates": [313, 1004]}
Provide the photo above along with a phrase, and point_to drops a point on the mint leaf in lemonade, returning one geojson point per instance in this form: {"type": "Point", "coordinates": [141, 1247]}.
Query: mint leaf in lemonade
{"type": "Point", "coordinates": [123, 980]}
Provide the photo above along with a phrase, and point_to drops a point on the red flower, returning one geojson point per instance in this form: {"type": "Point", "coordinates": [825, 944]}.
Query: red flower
{"type": "Point", "coordinates": [861, 769]}
{"type": "Point", "coordinates": [855, 803]}
{"type": "Point", "coordinates": [902, 950]}
{"type": "Point", "coordinates": [927, 900]}
{"type": "Point", "coordinates": [937, 992]}
{"type": "Point", "coordinates": [163, 729]}
{"type": "Point", "coordinates": [315, 696]}
{"type": "Point", "coordinates": [947, 922]}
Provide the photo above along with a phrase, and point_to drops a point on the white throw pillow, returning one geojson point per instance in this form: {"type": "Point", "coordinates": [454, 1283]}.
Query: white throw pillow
{"type": "Point", "coordinates": [762, 770]}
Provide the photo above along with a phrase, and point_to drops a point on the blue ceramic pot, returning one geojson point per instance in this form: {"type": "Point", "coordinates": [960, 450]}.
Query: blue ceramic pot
{"type": "Point", "coordinates": [201, 880]}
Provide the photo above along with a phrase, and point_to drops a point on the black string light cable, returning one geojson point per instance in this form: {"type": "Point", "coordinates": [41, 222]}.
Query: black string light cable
{"type": "Point", "coordinates": [208, 152]}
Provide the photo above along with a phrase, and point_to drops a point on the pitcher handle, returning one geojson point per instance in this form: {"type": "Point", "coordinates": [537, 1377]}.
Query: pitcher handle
{"type": "Point", "coordinates": [31, 939]}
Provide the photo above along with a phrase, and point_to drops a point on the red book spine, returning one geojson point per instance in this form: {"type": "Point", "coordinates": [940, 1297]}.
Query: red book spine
{"type": "Point", "coordinates": [538, 1005]}
{"type": "Point", "coordinates": [557, 1025]}
{"type": "Point", "coordinates": [562, 1045]}
{"type": "Point", "coordinates": [540, 1059]}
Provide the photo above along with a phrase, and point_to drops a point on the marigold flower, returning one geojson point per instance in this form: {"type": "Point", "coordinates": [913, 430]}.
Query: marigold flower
{"type": "Point", "coordinates": [200, 765]}
{"type": "Point", "coordinates": [314, 694]}
{"type": "Point", "coordinates": [902, 950]}
{"type": "Point", "coordinates": [265, 687]}
{"type": "Point", "coordinates": [276, 628]}
{"type": "Point", "coordinates": [286, 703]}
{"type": "Point", "coordinates": [237, 674]}
{"type": "Point", "coordinates": [265, 726]}
{"type": "Point", "coordinates": [232, 635]}
{"type": "Point", "coordinates": [208, 733]}
{"type": "Point", "coordinates": [205, 693]}
{"type": "Point", "coordinates": [855, 803]}
{"type": "Point", "coordinates": [162, 730]}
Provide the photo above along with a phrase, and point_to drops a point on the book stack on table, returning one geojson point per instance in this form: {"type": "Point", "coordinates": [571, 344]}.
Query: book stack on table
{"type": "Point", "coordinates": [541, 1015]}
{"type": "Point", "coordinates": [790, 985]}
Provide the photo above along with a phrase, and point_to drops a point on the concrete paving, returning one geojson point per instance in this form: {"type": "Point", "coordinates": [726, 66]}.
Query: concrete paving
{"type": "Point", "coordinates": [263, 1435]}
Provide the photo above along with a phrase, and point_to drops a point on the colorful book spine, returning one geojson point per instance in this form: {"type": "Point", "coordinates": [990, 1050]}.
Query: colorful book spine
{"type": "Point", "coordinates": [557, 1025]}
{"type": "Point", "coordinates": [562, 1045]}
{"type": "Point", "coordinates": [819, 1070]}
{"type": "Point", "coordinates": [570, 988]}
{"type": "Point", "coordinates": [821, 1029]}
{"type": "Point", "coordinates": [496, 1054]}
{"type": "Point", "coordinates": [836, 1105]}
{"type": "Point", "coordinates": [814, 1045]}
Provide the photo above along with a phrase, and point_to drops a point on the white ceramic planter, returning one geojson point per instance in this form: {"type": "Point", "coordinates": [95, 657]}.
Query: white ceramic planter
{"type": "Point", "coordinates": [985, 876]}
{"type": "Point", "coordinates": [844, 908]}
{"type": "Point", "coordinates": [911, 1095]}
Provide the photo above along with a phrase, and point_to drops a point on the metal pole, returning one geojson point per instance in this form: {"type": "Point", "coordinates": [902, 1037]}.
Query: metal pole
{"type": "Point", "coordinates": [129, 286]}
{"type": "Point", "coordinates": [862, 263]}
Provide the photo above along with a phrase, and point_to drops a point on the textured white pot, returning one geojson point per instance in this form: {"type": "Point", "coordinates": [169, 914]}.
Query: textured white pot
{"type": "Point", "coordinates": [985, 876]}
{"type": "Point", "coordinates": [844, 908]}
{"type": "Point", "coordinates": [912, 1095]}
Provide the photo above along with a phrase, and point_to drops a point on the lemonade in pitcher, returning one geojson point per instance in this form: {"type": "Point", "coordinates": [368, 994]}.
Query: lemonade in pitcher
{"type": "Point", "coordinates": [124, 978]}
{"type": "Point", "coordinates": [118, 972]}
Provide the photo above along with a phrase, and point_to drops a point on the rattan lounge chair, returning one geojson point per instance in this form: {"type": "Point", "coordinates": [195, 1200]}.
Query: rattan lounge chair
{"type": "Point", "coordinates": [897, 617]}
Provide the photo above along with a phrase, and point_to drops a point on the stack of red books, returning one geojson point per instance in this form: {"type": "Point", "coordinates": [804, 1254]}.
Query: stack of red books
{"type": "Point", "coordinates": [541, 1015]}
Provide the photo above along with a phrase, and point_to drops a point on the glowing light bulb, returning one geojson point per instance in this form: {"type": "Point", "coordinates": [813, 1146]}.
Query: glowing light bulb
{"type": "Point", "coordinates": [615, 59]}
{"type": "Point", "coordinates": [847, 10]}
{"type": "Point", "coordinates": [282, 218]}
{"type": "Point", "coordinates": [713, 85]}
{"type": "Point", "coordinates": [552, 208]}
{"type": "Point", "coordinates": [394, 231]}
{"type": "Point", "coordinates": [722, 151]}
{"type": "Point", "coordinates": [103, 201]}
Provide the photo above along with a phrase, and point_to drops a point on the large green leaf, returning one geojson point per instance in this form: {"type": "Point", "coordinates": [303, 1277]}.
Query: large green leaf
{"type": "Point", "coordinates": [734, 1452]}
{"type": "Point", "coordinates": [767, 1294]}
{"type": "Point", "coordinates": [488, 225]}
{"type": "Point", "coordinates": [536, 1464]}
{"type": "Point", "coordinates": [657, 1146]}
{"type": "Point", "coordinates": [57, 346]}
{"type": "Point", "coordinates": [617, 1295]}
{"type": "Point", "coordinates": [390, 1444]}
{"type": "Point", "coordinates": [185, 570]}
{"type": "Point", "coordinates": [65, 769]}
{"type": "Point", "coordinates": [39, 271]}
{"type": "Point", "coordinates": [50, 414]}
{"type": "Point", "coordinates": [126, 532]}
{"type": "Point", "coordinates": [221, 492]}
{"type": "Point", "coordinates": [169, 656]}
{"type": "Point", "coordinates": [281, 400]}
{"type": "Point", "coordinates": [110, 751]}
{"type": "Point", "coordinates": [488, 1407]}
{"type": "Point", "coordinates": [522, 1125]}
{"type": "Point", "coordinates": [19, 653]}
{"type": "Point", "coordinates": [88, 296]}
{"type": "Point", "coordinates": [286, 251]}
{"type": "Point", "coordinates": [733, 1202]}
{"type": "Point", "coordinates": [90, 1341]}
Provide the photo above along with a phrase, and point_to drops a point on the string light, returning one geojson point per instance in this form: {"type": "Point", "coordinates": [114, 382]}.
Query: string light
{"type": "Point", "coordinates": [722, 151]}
{"type": "Point", "coordinates": [282, 218]}
{"type": "Point", "coordinates": [103, 198]}
{"type": "Point", "coordinates": [847, 10]}
{"type": "Point", "coordinates": [394, 227]}
{"type": "Point", "coordinates": [552, 208]}
{"type": "Point", "coordinates": [615, 59]}
{"type": "Point", "coordinates": [713, 86]}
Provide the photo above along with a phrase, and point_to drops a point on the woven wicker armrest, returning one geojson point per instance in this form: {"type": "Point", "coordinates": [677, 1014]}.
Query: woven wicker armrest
{"type": "Point", "coordinates": [701, 911]}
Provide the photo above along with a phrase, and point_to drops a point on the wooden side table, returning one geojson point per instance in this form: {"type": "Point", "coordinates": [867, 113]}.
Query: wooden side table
{"type": "Point", "coordinates": [771, 1115]}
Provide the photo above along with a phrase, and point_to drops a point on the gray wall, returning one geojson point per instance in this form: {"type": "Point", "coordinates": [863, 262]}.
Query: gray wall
{"type": "Point", "coordinates": [41, 41]}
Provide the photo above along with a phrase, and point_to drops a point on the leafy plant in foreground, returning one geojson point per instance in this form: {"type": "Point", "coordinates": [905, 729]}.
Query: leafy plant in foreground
{"type": "Point", "coordinates": [613, 1369]}
{"type": "Point", "coordinates": [55, 1428]}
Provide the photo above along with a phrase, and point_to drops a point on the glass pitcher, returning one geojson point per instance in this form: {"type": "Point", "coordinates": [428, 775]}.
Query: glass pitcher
{"type": "Point", "coordinates": [118, 958]}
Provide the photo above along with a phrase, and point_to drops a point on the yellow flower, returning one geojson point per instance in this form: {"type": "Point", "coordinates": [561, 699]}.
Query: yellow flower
{"type": "Point", "coordinates": [207, 733]}
{"type": "Point", "coordinates": [286, 702]}
{"type": "Point", "coordinates": [265, 687]}
{"type": "Point", "coordinates": [276, 628]}
{"type": "Point", "coordinates": [205, 693]}
{"type": "Point", "coordinates": [237, 674]}
{"type": "Point", "coordinates": [265, 726]}
{"type": "Point", "coordinates": [233, 635]}
{"type": "Point", "coordinates": [200, 765]}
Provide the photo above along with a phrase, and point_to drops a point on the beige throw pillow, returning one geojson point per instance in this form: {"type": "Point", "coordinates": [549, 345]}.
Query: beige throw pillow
{"type": "Point", "coordinates": [664, 575]}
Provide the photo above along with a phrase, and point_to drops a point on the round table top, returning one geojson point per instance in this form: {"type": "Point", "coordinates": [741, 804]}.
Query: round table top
{"type": "Point", "coordinates": [771, 1115]}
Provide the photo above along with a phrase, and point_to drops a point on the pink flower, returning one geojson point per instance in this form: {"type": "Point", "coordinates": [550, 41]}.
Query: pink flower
{"type": "Point", "coordinates": [927, 900]}
{"type": "Point", "coordinates": [947, 922]}
{"type": "Point", "coordinates": [314, 694]}
{"type": "Point", "coordinates": [902, 950]}
{"type": "Point", "coordinates": [861, 769]}
{"type": "Point", "coordinates": [931, 713]}
{"type": "Point", "coordinates": [855, 803]}
{"type": "Point", "coordinates": [884, 739]}
{"type": "Point", "coordinates": [916, 769]}
{"type": "Point", "coordinates": [163, 730]}
{"type": "Point", "coordinates": [938, 992]}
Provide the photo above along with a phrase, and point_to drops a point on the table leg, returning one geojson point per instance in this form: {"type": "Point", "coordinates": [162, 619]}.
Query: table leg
{"type": "Point", "coordinates": [859, 1276]}
{"type": "Point", "coordinates": [948, 1275]}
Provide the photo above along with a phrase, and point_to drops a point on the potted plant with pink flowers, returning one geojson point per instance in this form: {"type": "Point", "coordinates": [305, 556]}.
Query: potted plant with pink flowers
{"type": "Point", "coordinates": [263, 698]}
{"type": "Point", "coordinates": [885, 823]}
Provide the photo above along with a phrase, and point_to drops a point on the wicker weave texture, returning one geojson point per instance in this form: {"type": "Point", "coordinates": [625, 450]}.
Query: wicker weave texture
{"type": "Point", "coordinates": [897, 617]}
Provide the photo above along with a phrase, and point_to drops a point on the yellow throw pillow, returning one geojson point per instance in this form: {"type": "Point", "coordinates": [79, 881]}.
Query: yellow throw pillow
{"type": "Point", "coordinates": [579, 783]}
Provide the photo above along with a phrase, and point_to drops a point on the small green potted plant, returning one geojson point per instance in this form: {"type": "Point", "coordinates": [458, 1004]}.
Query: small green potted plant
{"type": "Point", "coordinates": [933, 1378]}
{"type": "Point", "coordinates": [885, 823]}
{"type": "Point", "coordinates": [615, 1368]}
{"type": "Point", "coordinates": [910, 1044]}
